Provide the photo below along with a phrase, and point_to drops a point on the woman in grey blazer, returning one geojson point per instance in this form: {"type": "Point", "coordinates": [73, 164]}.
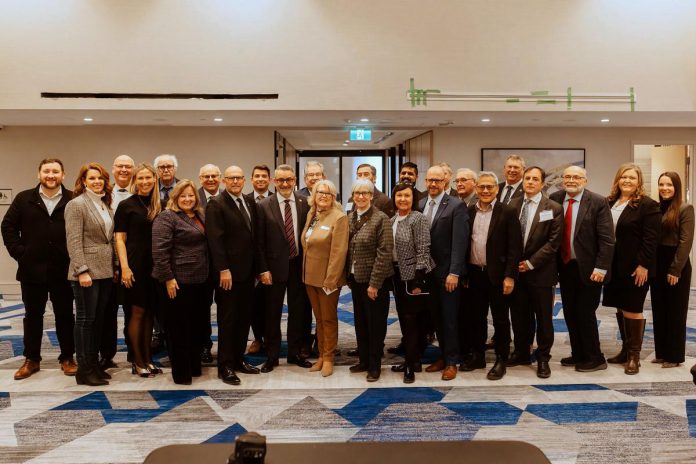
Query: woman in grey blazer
{"type": "Point", "coordinates": [412, 262]}
{"type": "Point", "coordinates": [368, 265]}
{"type": "Point", "coordinates": [180, 258]}
{"type": "Point", "coordinates": [89, 225]}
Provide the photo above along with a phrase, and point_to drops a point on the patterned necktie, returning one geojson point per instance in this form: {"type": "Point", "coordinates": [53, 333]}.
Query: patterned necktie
{"type": "Point", "coordinates": [431, 211]}
{"type": "Point", "coordinates": [508, 194]}
{"type": "Point", "coordinates": [523, 219]}
{"type": "Point", "coordinates": [565, 246]}
{"type": "Point", "coordinates": [290, 230]}
{"type": "Point", "coordinates": [244, 213]}
{"type": "Point", "coordinates": [261, 197]}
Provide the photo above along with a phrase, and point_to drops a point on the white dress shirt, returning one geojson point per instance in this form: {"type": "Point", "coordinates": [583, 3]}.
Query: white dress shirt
{"type": "Point", "coordinates": [118, 194]}
{"type": "Point", "coordinates": [52, 201]}
{"type": "Point", "coordinates": [293, 209]}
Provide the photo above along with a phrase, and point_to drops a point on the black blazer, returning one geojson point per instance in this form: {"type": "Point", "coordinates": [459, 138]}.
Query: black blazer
{"type": "Point", "coordinates": [449, 236]}
{"type": "Point", "coordinates": [517, 193]}
{"type": "Point", "coordinates": [35, 239]}
{"type": "Point", "coordinates": [503, 244]}
{"type": "Point", "coordinates": [637, 235]}
{"type": "Point", "coordinates": [231, 242]}
{"type": "Point", "coordinates": [594, 235]}
{"type": "Point", "coordinates": [274, 253]}
{"type": "Point", "coordinates": [542, 244]}
{"type": "Point", "coordinates": [202, 197]}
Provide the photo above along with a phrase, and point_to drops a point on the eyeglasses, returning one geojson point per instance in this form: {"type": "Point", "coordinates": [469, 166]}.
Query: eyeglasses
{"type": "Point", "coordinates": [486, 187]}
{"type": "Point", "coordinates": [285, 180]}
{"type": "Point", "coordinates": [574, 177]}
{"type": "Point", "coordinates": [209, 176]}
{"type": "Point", "coordinates": [234, 178]}
{"type": "Point", "coordinates": [166, 167]}
{"type": "Point", "coordinates": [314, 175]}
{"type": "Point", "coordinates": [433, 181]}
{"type": "Point", "coordinates": [461, 181]}
{"type": "Point", "coordinates": [325, 194]}
{"type": "Point", "coordinates": [362, 194]}
{"type": "Point", "coordinates": [123, 166]}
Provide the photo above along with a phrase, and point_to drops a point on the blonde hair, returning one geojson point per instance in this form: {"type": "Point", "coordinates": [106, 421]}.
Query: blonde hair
{"type": "Point", "coordinates": [331, 188]}
{"type": "Point", "coordinates": [615, 192]}
{"type": "Point", "coordinates": [176, 192]}
{"type": "Point", "coordinates": [155, 206]}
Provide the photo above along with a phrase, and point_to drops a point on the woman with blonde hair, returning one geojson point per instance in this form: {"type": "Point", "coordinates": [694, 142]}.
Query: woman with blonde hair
{"type": "Point", "coordinates": [325, 243]}
{"type": "Point", "coordinates": [637, 226]}
{"type": "Point", "coordinates": [133, 232]}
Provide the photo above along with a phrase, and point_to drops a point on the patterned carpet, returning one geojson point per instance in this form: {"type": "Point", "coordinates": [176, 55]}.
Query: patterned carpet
{"type": "Point", "coordinates": [573, 418]}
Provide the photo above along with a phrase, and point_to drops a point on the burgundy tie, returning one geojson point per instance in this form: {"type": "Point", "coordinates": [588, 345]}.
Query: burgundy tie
{"type": "Point", "coordinates": [290, 230]}
{"type": "Point", "coordinates": [565, 249]}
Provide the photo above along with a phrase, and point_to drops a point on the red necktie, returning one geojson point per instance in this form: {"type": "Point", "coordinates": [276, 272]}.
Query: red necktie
{"type": "Point", "coordinates": [565, 248]}
{"type": "Point", "coordinates": [290, 230]}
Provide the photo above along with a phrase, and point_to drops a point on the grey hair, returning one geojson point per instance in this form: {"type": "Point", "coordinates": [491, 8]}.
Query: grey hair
{"type": "Point", "coordinates": [363, 183]}
{"type": "Point", "coordinates": [468, 171]}
{"type": "Point", "coordinates": [209, 166]}
{"type": "Point", "coordinates": [284, 167]}
{"type": "Point", "coordinates": [489, 174]}
{"type": "Point", "coordinates": [516, 158]}
{"type": "Point", "coordinates": [446, 167]}
{"type": "Point", "coordinates": [175, 162]}
{"type": "Point", "coordinates": [311, 163]}
{"type": "Point", "coordinates": [582, 170]}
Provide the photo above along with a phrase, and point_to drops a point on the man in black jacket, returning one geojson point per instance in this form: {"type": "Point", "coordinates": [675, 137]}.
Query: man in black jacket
{"type": "Point", "coordinates": [33, 230]}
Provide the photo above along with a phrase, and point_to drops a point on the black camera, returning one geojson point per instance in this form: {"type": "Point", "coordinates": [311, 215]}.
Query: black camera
{"type": "Point", "coordinates": [249, 448]}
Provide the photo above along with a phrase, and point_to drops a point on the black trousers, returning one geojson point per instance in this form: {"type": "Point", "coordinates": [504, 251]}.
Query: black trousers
{"type": "Point", "coordinates": [411, 310]}
{"type": "Point", "coordinates": [580, 304]}
{"type": "Point", "coordinates": [184, 323]}
{"type": "Point", "coordinates": [482, 294]}
{"type": "Point", "coordinates": [299, 313]}
{"type": "Point", "coordinates": [108, 345]}
{"type": "Point", "coordinates": [208, 296]}
{"type": "Point", "coordinates": [234, 308]}
{"type": "Point", "coordinates": [370, 323]}
{"type": "Point", "coordinates": [530, 302]}
{"type": "Point", "coordinates": [35, 296]}
{"type": "Point", "coordinates": [258, 315]}
{"type": "Point", "coordinates": [670, 306]}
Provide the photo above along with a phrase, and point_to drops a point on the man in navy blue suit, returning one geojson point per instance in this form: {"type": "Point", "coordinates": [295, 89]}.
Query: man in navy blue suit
{"type": "Point", "coordinates": [449, 238]}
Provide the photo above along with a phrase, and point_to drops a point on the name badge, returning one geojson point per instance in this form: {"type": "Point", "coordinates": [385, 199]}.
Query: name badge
{"type": "Point", "coordinates": [545, 215]}
{"type": "Point", "coordinates": [325, 227]}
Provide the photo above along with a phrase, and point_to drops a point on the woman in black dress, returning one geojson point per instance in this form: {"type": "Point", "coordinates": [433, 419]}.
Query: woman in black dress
{"type": "Point", "coordinates": [670, 286]}
{"type": "Point", "coordinates": [133, 229]}
{"type": "Point", "coordinates": [637, 224]}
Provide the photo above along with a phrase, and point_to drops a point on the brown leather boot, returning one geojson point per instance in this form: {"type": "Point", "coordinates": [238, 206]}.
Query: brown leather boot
{"type": "Point", "coordinates": [634, 342]}
{"type": "Point", "coordinates": [28, 368]}
{"type": "Point", "coordinates": [623, 354]}
{"type": "Point", "coordinates": [68, 366]}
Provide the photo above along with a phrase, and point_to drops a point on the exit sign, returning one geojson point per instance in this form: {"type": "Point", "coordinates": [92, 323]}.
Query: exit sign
{"type": "Point", "coordinates": [361, 134]}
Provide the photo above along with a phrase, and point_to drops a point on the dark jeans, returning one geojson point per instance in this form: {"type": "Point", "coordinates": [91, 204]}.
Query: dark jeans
{"type": "Point", "coordinates": [90, 306]}
{"type": "Point", "coordinates": [580, 304]}
{"type": "Point", "coordinates": [370, 323]}
{"type": "Point", "coordinates": [483, 293]}
{"type": "Point", "coordinates": [184, 323]}
{"type": "Point", "coordinates": [444, 309]}
{"type": "Point", "coordinates": [530, 303]}
{"type": "Point", "coordinates": [411, 309]}
{"type": "Point", "coordinates": [108, 345]}
{"type": "Point", "coordinates": [35, 296]}
{"type": "Point", "coordinates": [234, 318]}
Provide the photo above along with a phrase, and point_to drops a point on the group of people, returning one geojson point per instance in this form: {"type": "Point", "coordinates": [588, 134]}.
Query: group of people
{"type": "Point", "coordinates": [166, 250]}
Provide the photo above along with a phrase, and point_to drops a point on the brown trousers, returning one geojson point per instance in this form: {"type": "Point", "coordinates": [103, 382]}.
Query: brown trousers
{"type": "Point", "coordinates": [325, 312]}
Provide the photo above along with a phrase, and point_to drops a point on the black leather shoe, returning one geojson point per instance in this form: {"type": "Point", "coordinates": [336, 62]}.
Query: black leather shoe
{"type": "Point", "coordinates": [360, 367]}
{"type": "Point", "coordinates": [543, 370]}
{"type": "Point", "coordinates": [498, 370]}
{"type": "Point", "coordinates": [89, 376]}
{"type": "Point", "coordinates": [102, 373]}
{"type": "Point", "coordinates": [518, 359]}
{"type": "Point", "coordinates": [107, 363]}
{"type": "Point", "coordinates": [228, 376]}
{"type": "Point", "coordinates": [591, 366]}
{"type": "Point", "coordinates": [398, 349]}
{"type": "Point", "coordinates": [418, 367]}
{"type": "Point", "coordinates": [299, 361]}
{"type": "Point", "coordinates": [569, 361]}
{"type": "Point", "coordinates": [269, 365]}
{"type": "Point", "coordinates": [693, 372]}
{"type": "Point", "coordinates": [473, 362]}
{"type": "Point", "coordinates": [246, 368]}
{"type": "Point", "coordinates": [409, 376]}
{"type": "Point", "coordinates": [353, 352]}
{"type": "Point", "coordinates": [373, 376]}
{"type": "Point", "coordinates": [206, 356]}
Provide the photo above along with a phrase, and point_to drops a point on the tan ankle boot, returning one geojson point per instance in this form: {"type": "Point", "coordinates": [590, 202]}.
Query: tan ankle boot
{"type": "Point", "coordinates": [317, 366]}
{"type": "Point", "coordinates": [327, 369]}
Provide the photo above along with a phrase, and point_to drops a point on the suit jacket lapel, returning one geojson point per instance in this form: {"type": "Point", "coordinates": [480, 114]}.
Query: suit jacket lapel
{"type": "Point", "coordinates": [278, 214]}
{"type": "Point", "coordinates": [184, 217]}
{"type": "Point", "coordinates": [582, 210]}
{"type": "Point", "coordinates": [535, 219]}
{"type": "Point", "coordinates": [440, 209]}
{"type": "Point", "coordinates": [495, 215]}
{"type": "Point", "coordinates": [95, 215]}
{"type": "Point", "coordinates": [235, 207]}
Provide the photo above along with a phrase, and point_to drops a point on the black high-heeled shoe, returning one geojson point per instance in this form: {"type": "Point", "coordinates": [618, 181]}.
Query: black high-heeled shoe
{"type": "Point", "coordinates": [153, 369]}
{"type": "Point", "coordinates": [141, 371]}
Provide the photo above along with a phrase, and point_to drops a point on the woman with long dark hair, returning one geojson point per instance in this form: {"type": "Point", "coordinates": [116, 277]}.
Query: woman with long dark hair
{"type": "Point", "coordinates": [133, 231]}
{"type": "Point", "coordinates": [670, 286]}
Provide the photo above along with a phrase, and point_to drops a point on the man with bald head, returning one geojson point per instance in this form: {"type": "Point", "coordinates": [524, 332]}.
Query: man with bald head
{"type": "Point", "coordinates": [231, 227]}
{"type": "Point", "coordinates": [122, 171]}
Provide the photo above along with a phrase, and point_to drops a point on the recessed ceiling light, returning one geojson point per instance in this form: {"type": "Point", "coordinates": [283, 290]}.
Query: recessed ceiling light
{"type": "Point", "coordinates": [217, 119]}
{"type": "Point", "coordinates": [485, 119]}
{"type": "Point", "coordinates": [605, 120]}
{"type": "Point", "coordinates": [347, 141]}
{"type": "Point", "coordinates": [88, 119]}
{"type": "Point", "coordinates": [364, 120]}
{"type": "Point", "coordinates": [345, 144]}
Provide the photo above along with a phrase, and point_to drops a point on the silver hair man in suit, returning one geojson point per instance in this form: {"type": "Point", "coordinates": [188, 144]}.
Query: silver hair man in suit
{"type": "Point", "coordinates": [166, 166]}
{"type": "Point", "coordinates": [465, 181]}
{"type": "Point", "coordinates": [209, 177]}
{"type": "Point", "coordinates": [512, 187]}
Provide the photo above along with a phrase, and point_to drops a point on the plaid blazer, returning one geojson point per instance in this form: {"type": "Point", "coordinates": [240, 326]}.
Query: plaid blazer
{"type": "Point", "coordinates": [370, 251]}
{"type": "Point", "coordinates": [412, 245]}
{"type": "Point", "coordinates": [179, 249]}
{"type": "Point", "coordinates": [90, 245]}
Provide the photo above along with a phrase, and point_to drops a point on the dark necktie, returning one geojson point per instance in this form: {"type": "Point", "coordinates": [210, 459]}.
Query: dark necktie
{"type": "Point", "coordinates": [508, 194]}
{"type": "Point", "coordinates": [290, 230]}
{"type": "Point", "coordinates": [260, 197]}
{"type": "Point", "coordinates": [565, 246]}
{"type": "Point", "coordinates": [244, 213]}
{"type": "Point", "coordinates": [122, 190]}
{"type": "Point", "coordinates": [523, 220]}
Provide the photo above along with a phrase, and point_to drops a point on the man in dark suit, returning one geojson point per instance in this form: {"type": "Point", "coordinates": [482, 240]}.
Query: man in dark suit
{"type": "Point", "coordinates": [231, 227]}
{"type": "Point", "coordinates": [585, 257]}
{"type": "Point", "coordinates": [33, 230]}
{"type": "Point", "coordinates": [451, 191]}
{"type": "Point", "coordinates": [512, 187]}
{"type": "Point", "coordinates": [210, 178]}
{"type": "Point", "coordinates": [541, 222]}
{"type": "Point", "coordinates": [409, 173]}
{"type": "Point", "coordinates": [496, 245]}
{"type": "Point", "coordinates": [380, 200]}
{"type": "Point", "coordinates": [281, 219]}
{"type": "Point", "coordinates": [465, 182]}
{"type": "Point", "coordinates": [313, 173]}
{"type": "Point", "coordinates": [449, 236]}
{"type": "Point", "coordinates": [166, 166]}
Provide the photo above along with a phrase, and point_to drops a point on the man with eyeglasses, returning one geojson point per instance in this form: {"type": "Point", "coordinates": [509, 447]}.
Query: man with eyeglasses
{"type": "Point", "coordinates": [512, 187]}
{"type": "Point", "coordinates": [465, 182]}
{"type": "Point", "coordinates": [166, 170]}
{"type": "Point", "coordinates": [313, 173]}
{"type": "Point", "coordinates": [451, 191]}
{"type": "Point", "coordinates": [449, 232]}
{"type": "Point", "coordinates": [232, 228]}
{"type": "Point", "coordinates": [210, 178]}
{"type": "Point", "coordinates": [281, 219]}
{"type": "Point", "coordinates": [584, 263]}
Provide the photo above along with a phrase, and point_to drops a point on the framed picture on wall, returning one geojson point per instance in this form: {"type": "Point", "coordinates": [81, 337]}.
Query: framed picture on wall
{"type": "Point", "coordinates": [552, 160]}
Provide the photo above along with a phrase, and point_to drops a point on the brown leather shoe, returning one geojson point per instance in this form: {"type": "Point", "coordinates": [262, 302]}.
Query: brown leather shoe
{"type": "Point", "coordinates": [449, 373]}
{"type": "Point", "coordinates": [28, 368]}
{"type": "Point", "coordinates": [255, 347]}
{"type": "Point", "coordinates": [437, 366]}
{"type": "Point", "coordinates": [68, 366]}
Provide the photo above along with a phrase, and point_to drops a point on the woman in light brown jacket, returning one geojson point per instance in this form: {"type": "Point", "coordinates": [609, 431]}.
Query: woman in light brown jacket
{"type": "Point", "coordinates": [325, 243]}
